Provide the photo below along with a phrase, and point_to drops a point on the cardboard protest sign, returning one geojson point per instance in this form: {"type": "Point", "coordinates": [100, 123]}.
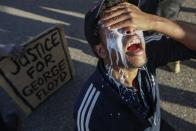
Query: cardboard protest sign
{"type": "Point", "coordinates": [43, 67]}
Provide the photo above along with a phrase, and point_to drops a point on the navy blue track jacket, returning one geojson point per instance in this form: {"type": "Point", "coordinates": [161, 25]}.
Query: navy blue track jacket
{"type": "Point", "coordinates": [100, 108]}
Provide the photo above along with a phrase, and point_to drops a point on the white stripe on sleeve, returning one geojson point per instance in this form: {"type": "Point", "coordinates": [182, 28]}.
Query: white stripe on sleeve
{"type": "Point", "coordinates": [90, 110]}
{"type": "Point", "coordinates": [85, 108]}
{"type": "Point", "coordinates": [82, 105]}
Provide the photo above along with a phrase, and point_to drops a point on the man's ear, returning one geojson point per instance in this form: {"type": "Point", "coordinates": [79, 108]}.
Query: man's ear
{"type": "Point", "coordinates": [101, 51]}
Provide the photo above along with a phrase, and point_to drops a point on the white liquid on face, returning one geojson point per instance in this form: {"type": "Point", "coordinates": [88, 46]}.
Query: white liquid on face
{"type": "Point", "coordinates": [141, 35]}
{"type": "Point", "coordinates": [114, 42]}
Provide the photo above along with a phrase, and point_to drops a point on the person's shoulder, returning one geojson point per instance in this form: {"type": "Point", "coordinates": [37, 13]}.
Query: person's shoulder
{"type": "Point", "coordinates": [89, 93]}
{"type": "Point", "coordinates": [87, 102]}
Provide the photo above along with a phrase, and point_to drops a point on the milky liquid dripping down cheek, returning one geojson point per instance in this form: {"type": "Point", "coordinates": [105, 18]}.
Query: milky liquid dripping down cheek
{"type": "Point", "coordinates": [114, 42]}
{"type": "Point", "coordinates": [141, 35]}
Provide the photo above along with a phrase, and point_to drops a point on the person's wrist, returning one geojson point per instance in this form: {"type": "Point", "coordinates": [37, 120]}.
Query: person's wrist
{"type": "Point", "coordinates": [154, 22]}
{"type": "Point", "coordinates": [158, 23]}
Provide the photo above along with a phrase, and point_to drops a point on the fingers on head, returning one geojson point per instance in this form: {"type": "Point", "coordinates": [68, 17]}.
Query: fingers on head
{"type": "Point", "coordinates": [123, 24]}
{"type": "Point", "coordinates": [117, 19]}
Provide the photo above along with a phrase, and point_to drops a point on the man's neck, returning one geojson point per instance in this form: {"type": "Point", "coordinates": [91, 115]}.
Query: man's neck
{"type": "Point", "coordinates": [124, 75]}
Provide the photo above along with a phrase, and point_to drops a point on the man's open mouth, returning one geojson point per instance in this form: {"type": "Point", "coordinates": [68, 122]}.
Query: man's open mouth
{"type": "Point", "coordinates": [134, 47]}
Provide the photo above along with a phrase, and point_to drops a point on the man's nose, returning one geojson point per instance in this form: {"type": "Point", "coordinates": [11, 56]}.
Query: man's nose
{"type": "Point", "coordinates": [128, 31]}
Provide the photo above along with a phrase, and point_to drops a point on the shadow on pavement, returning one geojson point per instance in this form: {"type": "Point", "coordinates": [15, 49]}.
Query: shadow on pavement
{"type": "Point", "coordinates": [165, 68]}
{"type": "Point", "coordinates": [171, 121]}
{"type": "Point", "coordinates": [178, 96]}
{"type": "Point", "coordinates": [34, 17]}
{"type": "Point", "coordinates": [190, 63]}
{"type": "Point", "coordinates": [186, 9]}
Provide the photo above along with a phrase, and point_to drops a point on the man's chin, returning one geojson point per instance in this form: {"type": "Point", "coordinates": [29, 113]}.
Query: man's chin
{"type": "Point", "coordinates": [136, 65]}
{"type": "Point", "coordinates": [131, 61]}
{"type": "Point", "coordinates": [136, 62]}
{"type": "Point", "coordinates": [132, 64]}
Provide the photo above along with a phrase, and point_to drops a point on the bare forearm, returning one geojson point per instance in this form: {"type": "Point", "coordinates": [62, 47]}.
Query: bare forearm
{"type": "Point", "coordinates": [183, 32]}
{"type": "Point", "coordinates": [128, 15]}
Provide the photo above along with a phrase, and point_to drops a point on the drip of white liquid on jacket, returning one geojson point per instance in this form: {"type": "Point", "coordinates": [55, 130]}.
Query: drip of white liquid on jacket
{"type": "Point", "coordinates": [109, 70]}
{"type": "Point", "coordinates": [114, 42]}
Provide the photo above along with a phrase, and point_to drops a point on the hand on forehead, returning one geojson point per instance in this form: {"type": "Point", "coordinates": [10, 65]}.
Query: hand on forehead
{"type": "Point", "coordinates": [124, 15]}
{"type": "Point", "coordinates": [117, 16]}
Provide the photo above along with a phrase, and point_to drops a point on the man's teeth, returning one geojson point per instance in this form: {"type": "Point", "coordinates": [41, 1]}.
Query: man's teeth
{"type": "Point", "coordinates": [135, 41]}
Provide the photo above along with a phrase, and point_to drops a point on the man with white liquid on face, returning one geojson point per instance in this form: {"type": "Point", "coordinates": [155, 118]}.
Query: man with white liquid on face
{"type": "Point", "coordinates": [122, 94]}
